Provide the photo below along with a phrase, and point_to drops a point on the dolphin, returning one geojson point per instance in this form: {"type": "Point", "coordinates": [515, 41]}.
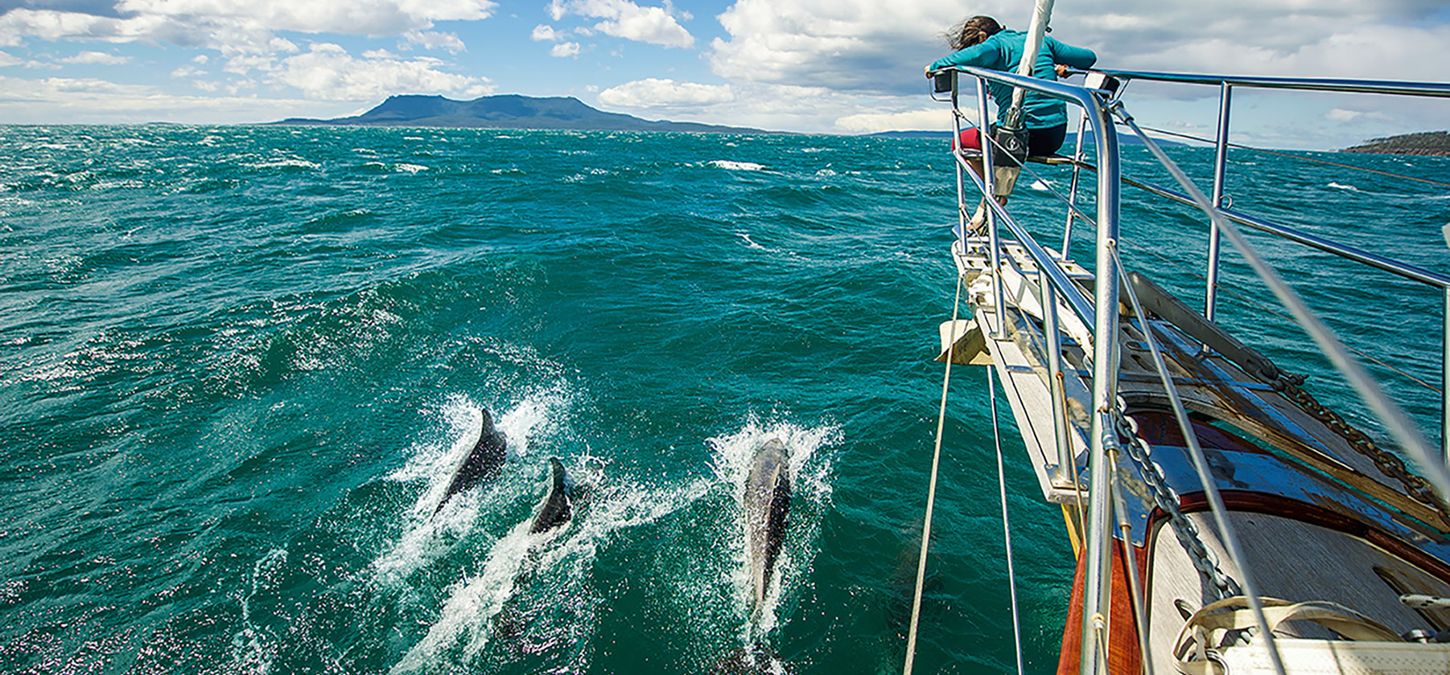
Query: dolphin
{"type": "Point", "coordinates": [483, 462]}
{"type": "Point", "coordinates": [558, 507]}
{"type": "Point", "coordinates": [767, 503]}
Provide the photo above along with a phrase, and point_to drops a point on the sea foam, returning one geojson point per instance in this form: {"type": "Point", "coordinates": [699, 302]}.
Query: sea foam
{"type": "Point", "coordinates": [729, 165]}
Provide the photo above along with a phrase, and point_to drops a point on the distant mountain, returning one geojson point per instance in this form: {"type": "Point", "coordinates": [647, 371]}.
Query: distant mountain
{"type": "Point", "coordinates": [1435, 143]}
{"type": "Point", "coordinates": [509, 111]}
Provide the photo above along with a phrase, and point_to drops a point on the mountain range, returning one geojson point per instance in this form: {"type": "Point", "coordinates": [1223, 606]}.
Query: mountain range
{"type": "Point", "coordinates": [508, 111]}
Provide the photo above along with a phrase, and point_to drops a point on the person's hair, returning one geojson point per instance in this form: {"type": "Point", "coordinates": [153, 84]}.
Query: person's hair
{"type": "Point", "coordinates": [973, 31]}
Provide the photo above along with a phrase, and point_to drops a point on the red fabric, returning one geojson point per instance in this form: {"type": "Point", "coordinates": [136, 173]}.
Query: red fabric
{"type": "Point", "coordinates": [971, 139]}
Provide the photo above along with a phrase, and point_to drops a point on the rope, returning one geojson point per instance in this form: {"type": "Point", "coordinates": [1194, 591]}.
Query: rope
{"type": "Point", "coordinates": [1303, 158]}
{"type": "Point", "coordinates": [1006, 522]}
{"type": "Point", "coordinates": [931, 489]}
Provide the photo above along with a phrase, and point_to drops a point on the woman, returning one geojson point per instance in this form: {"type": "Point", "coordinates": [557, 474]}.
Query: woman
{"type": "Point", "coordinates": [982, 42]}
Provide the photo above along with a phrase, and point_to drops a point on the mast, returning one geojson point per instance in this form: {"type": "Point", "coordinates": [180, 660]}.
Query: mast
{"type": "Point", "coordinates": [1036, 30]}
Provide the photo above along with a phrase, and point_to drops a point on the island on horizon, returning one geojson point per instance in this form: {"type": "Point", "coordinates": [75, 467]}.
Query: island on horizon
{"type": "Point", "coordinates": [1424, 143]}
{"type": "Point", "coordinates": [509, 111]}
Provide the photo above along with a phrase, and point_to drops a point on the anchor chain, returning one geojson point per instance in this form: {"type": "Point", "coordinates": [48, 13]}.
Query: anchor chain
{"type": "Point", "coordinates": [1416, 487]}
{"type": "Point", "coordinates": [1166, 499]}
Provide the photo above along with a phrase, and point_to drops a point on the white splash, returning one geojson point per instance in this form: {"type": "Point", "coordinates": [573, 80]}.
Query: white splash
{"type": "Point", "coordinates": [1041, 185]}
{"type": "Point", "coordinates": [428, 535]}
{"type": "Point", "coordinates": [297, 162]}
{"type": "Point", "coordinates": [254, 649]}
{"type": "Point", "coordinates": [749, 243]}
{"type": "Point", "coordinates": [810, 494]}
{"type": "Point", "coordinates": [735, 166]}
{"type": "Point", "coordinates": [567, 553]}
{"type": "Point", "coordinates": [409, 168]}
{"type": "Point", "coordinates": [473, 603]}
{"type": "Point", "coordinates": [1341, 186]}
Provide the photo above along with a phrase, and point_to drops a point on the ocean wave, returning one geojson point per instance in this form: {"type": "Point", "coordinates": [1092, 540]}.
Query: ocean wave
{"type": "Point", "coordinates": [730, 165]}
{"type": "Point", "coordinates": [749, 243]}
{"type": "Point", "coordinates": [1041, 185]}
{"type": "Point", "coordinates": [254, 648]}
{"type": "Point", "coordinates": [285, 163]}
{"type": "Point", "coordinates": [409, 168]}
{"type": "Point", "coordinates": [1341, 186]}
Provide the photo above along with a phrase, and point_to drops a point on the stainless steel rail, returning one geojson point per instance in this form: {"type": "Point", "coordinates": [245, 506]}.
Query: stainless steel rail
{"type": "Point", "coordinates": [1102, 316]}
{"type": "Point", "coordinates": [1104, 322]}
{"type": "Point", "coordinates": [1226, 84]}
{"type": "Point", "coordinates": [1351, 86]}
{"type": "Point", "coordinates": [1359, 255]}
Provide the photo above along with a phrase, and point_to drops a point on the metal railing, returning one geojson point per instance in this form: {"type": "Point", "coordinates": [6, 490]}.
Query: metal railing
{"type": "Point", "coordinates": [1099, 107]}
{"type": "Point", "coordinates": [1226, 85]}
{"type": "Point", "coordinates": [1101, 316]}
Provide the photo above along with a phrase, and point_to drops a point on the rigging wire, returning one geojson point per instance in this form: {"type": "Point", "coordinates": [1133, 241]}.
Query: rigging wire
{"type": "Point", "coordinates": [1251, 301]}
{"type": "Point", "coordinates": [1404, 431]}
{"type": "Point", "coordinates": [931, 487]}
{"type": "Point", "coordinates": [1257, 303]}
{"type": "Point", "coordinates": [1137, 596]}
{"type": "Point", "coordinates": [1302, 158]}
{"type": "Point", "coordinates": [1006, 522]}
{"type": "Point", "coordinates": [1200, 465]}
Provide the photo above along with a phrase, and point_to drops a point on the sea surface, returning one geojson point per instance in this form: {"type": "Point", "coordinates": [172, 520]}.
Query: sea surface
{"type": "Point", "coordinates": [237, 366]}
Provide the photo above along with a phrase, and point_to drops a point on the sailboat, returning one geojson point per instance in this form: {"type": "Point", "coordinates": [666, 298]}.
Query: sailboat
{"type": "Point", "coordinates": [1224, 519]}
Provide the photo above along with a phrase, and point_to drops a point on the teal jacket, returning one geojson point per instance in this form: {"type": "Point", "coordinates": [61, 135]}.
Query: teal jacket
{"type": "Point", "coordinates": [1003, 51]}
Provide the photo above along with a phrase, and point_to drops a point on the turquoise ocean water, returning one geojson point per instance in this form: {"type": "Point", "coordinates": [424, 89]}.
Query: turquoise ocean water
{"type": "Point", "coordinates": [237, 364]}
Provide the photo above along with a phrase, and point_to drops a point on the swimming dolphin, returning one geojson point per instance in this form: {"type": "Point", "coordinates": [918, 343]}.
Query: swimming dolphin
{"type": "Point", "coordinates": [483, 462]}
{"type": "Point", "coordinates": [557, 507]}
{"type": "Point", "coordinates": [767, 502]}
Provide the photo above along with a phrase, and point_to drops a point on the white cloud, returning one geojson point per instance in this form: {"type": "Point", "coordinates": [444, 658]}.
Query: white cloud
{"type": "Point", "coordinates": [96, 58]}
{"type": "Point", "coordinates": [7, 60]}
{"type": "Point", "coordinates": [544, 33]}
{"type": "Point", "coordinates": [657, 94]}
{"type": "Point", "coordinates": [327, 71]}
{"type": "Point", "coordinates": [20, 23]}
{"type": "Point", "coordinates": [81, 100]}
{"type": "Point", "coordinates": [867, 45]}
{"type": "Point", "coordinates": [933, 119]}
{"type": "Point", "coordinates": [625, 19]}
{"type": "Point", "coordinates": [565, 49]}
{"type": "Point", "coordinates": [1350, 115]}
{"type": "Point", "coordinates": [187, 71]}
{"type": "Point", "coordinates": [240, 25]}
{"type": "Point", "coordinates": [435, 40]}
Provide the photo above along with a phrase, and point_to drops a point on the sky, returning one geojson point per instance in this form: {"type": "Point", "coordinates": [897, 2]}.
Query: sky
{"type": "Point", "coordinates": [817, 66]}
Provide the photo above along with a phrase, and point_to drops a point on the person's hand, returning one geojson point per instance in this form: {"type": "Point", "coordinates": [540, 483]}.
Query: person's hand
{"type": "Point", "coordinates": [926, 71]}
{"type": "Point", "coordinates": [1061, 70]}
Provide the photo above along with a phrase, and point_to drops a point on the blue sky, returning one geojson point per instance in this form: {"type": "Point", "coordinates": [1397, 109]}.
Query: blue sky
{"type": "Point", "coordinates": [831, 66]}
